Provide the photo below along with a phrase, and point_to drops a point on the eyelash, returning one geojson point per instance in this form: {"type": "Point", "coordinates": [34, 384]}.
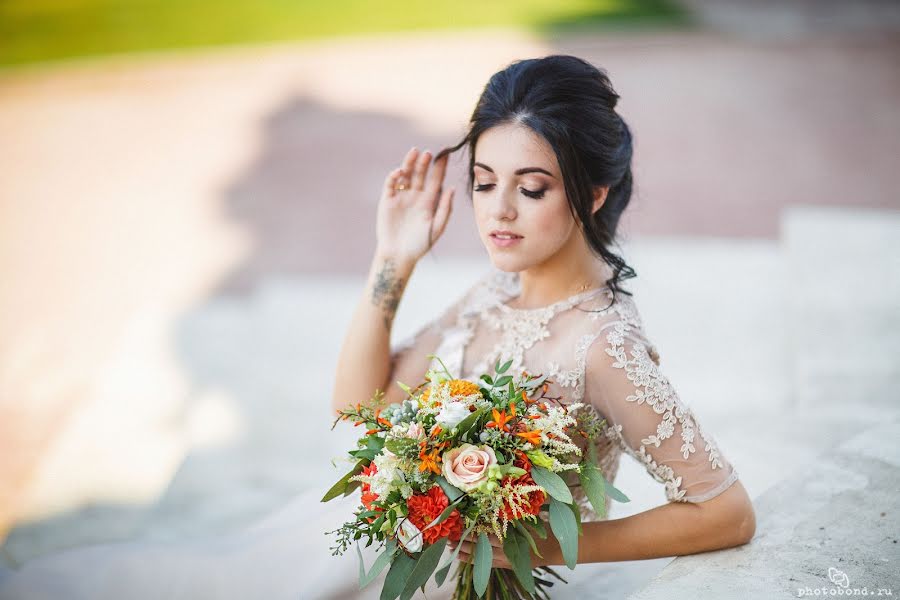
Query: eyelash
{"type": "Point", "coordinates": [537, 195]}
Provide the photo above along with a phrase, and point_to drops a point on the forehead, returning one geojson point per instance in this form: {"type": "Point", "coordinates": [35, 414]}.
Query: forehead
{"type": "Point", "coordinates": [512, 146]}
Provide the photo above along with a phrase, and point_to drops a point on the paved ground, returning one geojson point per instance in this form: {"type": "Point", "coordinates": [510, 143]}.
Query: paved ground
{"type": "Point", "coordinates": [182, 237]}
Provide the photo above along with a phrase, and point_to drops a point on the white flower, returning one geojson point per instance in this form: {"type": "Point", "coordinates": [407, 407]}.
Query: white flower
{"type": "Point", "coordinates": [388, 470]}
{"type": "Point", "coordinates": [409, 535]}
{"type": "Point", "coordinates": [451, 414]}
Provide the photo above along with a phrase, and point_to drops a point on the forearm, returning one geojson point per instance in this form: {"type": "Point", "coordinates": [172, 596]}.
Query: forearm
{"type": "Point", "coordinates": [673, 529]}
{"type": "Point", "coordinates": [364, 360]}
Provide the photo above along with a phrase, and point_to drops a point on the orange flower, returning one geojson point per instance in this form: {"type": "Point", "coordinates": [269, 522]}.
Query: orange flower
{"type": "Point", "coordinates": [500, 420]}
{"type": "Point", "coordinates": [425, 508]}
{"type": "Point", "coordinates": [531, 436]}
{"type": "Point", "coordinates": [458, 387]}
{"type": "Point", "coordinates": [430, 461]}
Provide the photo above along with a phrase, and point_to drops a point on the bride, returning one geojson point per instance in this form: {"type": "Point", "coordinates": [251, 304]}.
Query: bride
{"type": "Point", "coordinates": [550, 176]}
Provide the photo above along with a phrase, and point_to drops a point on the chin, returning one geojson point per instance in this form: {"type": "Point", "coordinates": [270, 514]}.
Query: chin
{"type": "Point", "coordinates": [507, 263]}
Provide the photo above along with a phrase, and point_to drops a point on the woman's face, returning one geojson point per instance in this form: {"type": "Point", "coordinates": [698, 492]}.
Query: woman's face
{"type": "Point", "coordinates": [518, 191]}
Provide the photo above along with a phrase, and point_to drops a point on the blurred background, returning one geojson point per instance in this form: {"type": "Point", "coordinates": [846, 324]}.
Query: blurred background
{"type": "Point", "coordinates": [187, 200]}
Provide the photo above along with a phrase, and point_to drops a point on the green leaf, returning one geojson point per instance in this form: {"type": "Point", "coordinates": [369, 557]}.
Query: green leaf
{"type": "Point", "coordinates": [338, 488]}
{"type": "Point", "coordinates": [612, 490]}
{"type": "Point", "coordinates": [397, 576]}
{"type": "Point", "coordinates": [383, 560]}
{"type": "Point", "coordinates": [577, 514]}
{"type": "Point", "coordinates": [425, 566]}
{"type": "Point", "coordinates": [488, 380]}
{"type": "Point", "coordinates": [367, 453]}
{"type": "Point", "coordinates": [516, 549]}
{"type": "Point", "coordinates": [551, 482]}
{"type": "Point", "coordinates": [399, 446]}
{"type": "Point", "coordinates": [441, 575]}
{"type": "Point", "coordinates": [362, 566]}
{"type": "Point", "coordinates": [453, 492]}
{"type": "Point", "coordinates": [592, 483]}
{"type": "Point", "coordinates": [469, 421]}
{"type": "Point", "coordinates": [503, 381]}
{"type": "Point", "coordinates": [484, 558]}
{"type": "Point", "coordinates": [565, 528]}
{"type": "Point", "coordinates": [405, 388]}
{"type": "Point", "coordinates": [505, 366]}
{"type": "Point", "coordinates": [539, 529]}
{"type": "Point", "coordinates": [527, 535]}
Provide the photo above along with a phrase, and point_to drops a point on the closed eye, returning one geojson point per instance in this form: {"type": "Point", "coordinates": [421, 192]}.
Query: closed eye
{"type": "Point", "coordinates": [537, 194]}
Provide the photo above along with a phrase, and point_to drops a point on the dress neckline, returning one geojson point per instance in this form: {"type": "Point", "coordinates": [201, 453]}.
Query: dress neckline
{"type": "Point", "coordinates": [513, 288]}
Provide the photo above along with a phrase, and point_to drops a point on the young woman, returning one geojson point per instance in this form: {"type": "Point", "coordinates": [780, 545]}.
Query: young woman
{"type": "Point", "coordinates": [550, 175]}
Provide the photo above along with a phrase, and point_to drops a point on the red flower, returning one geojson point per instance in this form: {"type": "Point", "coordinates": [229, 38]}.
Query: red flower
{"type": "Point", "coordinates": [535, 499]}
{"type": "Point", "coordinates": [368, 496]}
{"type": "Point", "coordinates": [425, 508]}
{"type": "Point", "coordinates": [368, 472]}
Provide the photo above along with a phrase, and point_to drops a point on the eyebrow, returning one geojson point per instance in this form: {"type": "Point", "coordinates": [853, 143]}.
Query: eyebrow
{"type": "Point", "coordinates": [522, 171]}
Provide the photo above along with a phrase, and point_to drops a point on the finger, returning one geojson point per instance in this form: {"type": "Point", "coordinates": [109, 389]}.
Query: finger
{"type": "Point", "coordinates": [420, 170]}
{"type": "Point", "coordinates": [438, 170]}
{"type": "Point", "coordinates": [442, 215]}
{"type": "Point", "coordinates": [390, 182]}
{"type": "Point", "coordinates": [409, 161]}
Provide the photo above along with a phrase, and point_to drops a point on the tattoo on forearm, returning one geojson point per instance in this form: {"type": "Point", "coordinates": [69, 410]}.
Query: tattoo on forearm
{"type": "Point", "coordinates": [387, 291]}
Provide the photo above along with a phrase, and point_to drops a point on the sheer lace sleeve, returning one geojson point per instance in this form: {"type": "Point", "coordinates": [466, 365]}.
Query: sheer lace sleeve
{"type": "Point", "coordinates": [649, 421]}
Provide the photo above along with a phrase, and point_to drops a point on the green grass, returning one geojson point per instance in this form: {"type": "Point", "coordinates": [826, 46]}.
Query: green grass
{"type": "Point", "coordinates": [46, 30]}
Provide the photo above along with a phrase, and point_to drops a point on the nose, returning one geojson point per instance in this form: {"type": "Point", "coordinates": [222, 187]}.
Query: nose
{"type": "Point", "coordinates": [504, 208]}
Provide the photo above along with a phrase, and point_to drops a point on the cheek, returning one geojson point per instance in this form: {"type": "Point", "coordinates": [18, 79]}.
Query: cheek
{"type": "Point", "coordinates": [551, 225]}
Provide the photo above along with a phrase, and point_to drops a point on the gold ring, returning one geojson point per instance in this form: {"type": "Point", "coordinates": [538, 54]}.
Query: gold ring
{"type": "Point", "coordinates": [402, 186]}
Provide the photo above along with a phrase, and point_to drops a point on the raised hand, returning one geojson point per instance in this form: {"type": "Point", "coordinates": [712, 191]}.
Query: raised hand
{"type": "Point", "coordinates": [414, 208]}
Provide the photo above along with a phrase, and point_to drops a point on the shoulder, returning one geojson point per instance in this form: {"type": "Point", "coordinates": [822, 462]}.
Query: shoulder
{"type": "Point", "coordinates": [615, 333]}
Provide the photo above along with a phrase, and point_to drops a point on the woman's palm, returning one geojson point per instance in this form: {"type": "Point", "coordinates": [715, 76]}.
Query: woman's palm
{"type": "Point", "coordinates": [409, 221]}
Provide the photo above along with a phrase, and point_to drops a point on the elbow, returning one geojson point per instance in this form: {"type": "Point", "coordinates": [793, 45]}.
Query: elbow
{"type": "Point", "coordinates": [746, 526]}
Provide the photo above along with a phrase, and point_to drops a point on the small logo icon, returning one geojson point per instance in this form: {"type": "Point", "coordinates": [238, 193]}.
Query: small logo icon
{"type": "Point", "coordinates": [838, 577]}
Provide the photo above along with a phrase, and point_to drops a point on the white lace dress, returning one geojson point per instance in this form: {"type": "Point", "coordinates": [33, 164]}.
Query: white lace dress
{"type": "Point", "coordinates": [594, 350]}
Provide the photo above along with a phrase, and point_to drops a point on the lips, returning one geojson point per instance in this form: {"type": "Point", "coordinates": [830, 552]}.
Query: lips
{"type": "Point", "coordinates": [504, 234]}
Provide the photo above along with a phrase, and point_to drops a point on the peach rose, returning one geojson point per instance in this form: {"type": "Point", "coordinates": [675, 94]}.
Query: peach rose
{"type": "Point", "coordinates": [467, 466]}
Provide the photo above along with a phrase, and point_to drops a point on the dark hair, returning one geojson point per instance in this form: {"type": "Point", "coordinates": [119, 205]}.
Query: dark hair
{"type": "Point", "coordinates": [570, 103]}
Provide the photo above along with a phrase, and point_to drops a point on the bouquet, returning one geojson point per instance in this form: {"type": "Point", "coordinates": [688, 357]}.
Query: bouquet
{"type": "Point", "coordinates": [462, 460]}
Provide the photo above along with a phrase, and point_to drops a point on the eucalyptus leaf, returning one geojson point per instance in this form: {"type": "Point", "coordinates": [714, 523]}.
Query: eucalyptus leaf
{"type": "Point", "coordinates": [539, 529]}
{"type": "Point", "coordinates": [503, 381]}
{"type": "Point", "coordinates": [505, 366]}
{"type": "Point", "coordinates": [383, 560]}
{"type": "Point", "coordinates": [527, 535]}
{"type": "Point", "coordinates": [338, 488]}
{"type": "Point", "coordinates": [592, 484]}
{"type": "Point", "coordinates": [484, 558]}
{"type": "Point", "coordinates": [612, 490]}
{"type": "Point", "coordinates": [441, 575]}
{"type": "Point", "coordinates": [362, 566]}
{"type": "Point", "coordinates": [565, 528]}
{"type": "Point", "coordinates": [397, 576]}
{"type": "Point", "coordinates": [516, 549]}
{"type": "Point", "coordinates": [425, 566]}
{"type": "Point", "coordinates": [453, 492]}
{"type": "Point", "coordinates": [551, 482]}
{"type": "Point", "coordinates": [488, 379]}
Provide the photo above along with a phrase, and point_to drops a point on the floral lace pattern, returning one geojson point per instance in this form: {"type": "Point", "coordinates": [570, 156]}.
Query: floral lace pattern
{"type": "Point", "coordinates": [515, 334]}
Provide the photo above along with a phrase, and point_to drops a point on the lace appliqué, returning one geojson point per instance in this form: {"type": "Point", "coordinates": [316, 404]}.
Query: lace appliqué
{"type": "Point", "coordinates": [654, 389]}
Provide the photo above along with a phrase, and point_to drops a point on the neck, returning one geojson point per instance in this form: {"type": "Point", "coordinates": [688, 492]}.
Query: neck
{"type": "Point", "coordinates": [570, 271]}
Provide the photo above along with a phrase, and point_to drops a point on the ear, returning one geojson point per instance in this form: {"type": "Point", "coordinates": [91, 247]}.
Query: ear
{"type": "Point", "coordinates": [600, 193]}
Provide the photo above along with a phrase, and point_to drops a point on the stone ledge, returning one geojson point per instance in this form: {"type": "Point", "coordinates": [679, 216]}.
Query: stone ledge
{"type": "Point", "coordinates": [841, 512]}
